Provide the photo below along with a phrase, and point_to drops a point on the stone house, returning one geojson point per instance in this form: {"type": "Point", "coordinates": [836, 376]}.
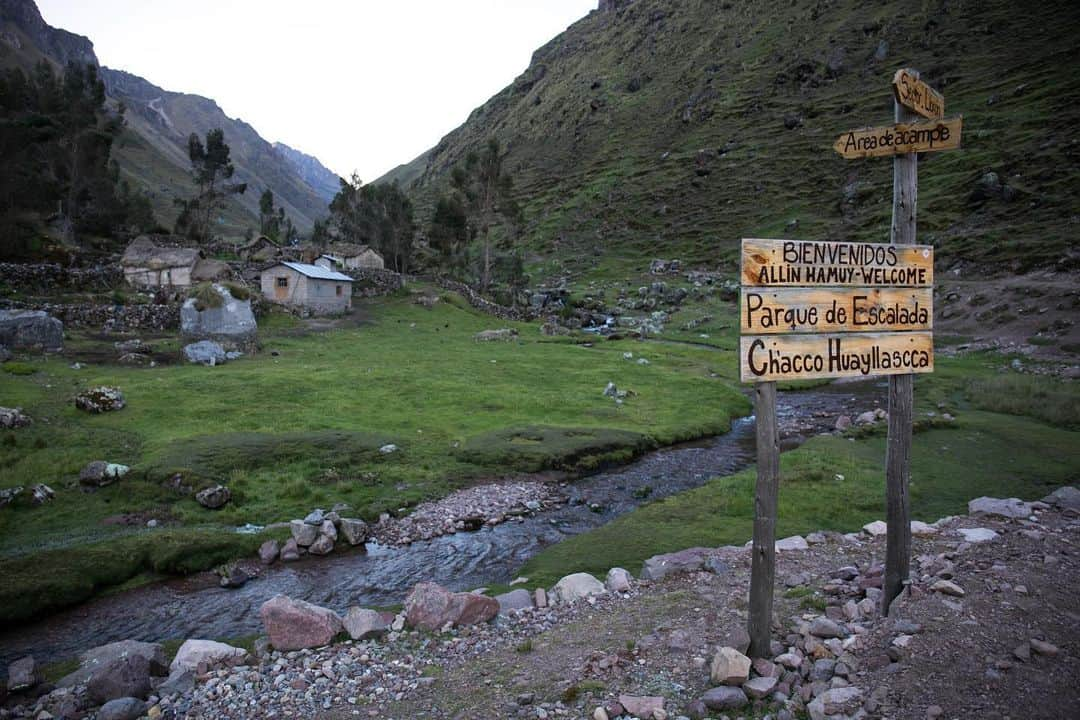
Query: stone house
{"type": "Point", "coordinates": [260, 250]}
{"type": "Point", "coordinates": [349, 256]}
{"type": "Point", "coordinates": [147, 264]}
{"type": "Point", "coordinates": [319, 289]}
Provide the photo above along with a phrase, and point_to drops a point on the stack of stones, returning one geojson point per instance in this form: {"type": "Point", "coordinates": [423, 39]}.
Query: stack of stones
{"type": "Point", "coordinates": [316, 534]}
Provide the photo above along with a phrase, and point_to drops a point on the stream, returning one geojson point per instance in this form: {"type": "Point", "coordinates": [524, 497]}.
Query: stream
{"type": "Point", "coordinates": [195, 607]}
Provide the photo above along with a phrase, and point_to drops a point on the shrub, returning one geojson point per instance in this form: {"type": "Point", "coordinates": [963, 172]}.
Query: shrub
{"type": "Point", "coordinates": [536, 448]}
{"type": "Point", "coordinates": [13, 367]}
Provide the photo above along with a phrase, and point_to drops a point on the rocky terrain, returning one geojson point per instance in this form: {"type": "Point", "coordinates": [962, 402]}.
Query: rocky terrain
{"type": "Point", "coordinates": [987, 629]}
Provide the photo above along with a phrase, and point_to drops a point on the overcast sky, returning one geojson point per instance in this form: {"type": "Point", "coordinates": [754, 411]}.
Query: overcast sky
{"type": "Point", "coordinates": [361, 84]}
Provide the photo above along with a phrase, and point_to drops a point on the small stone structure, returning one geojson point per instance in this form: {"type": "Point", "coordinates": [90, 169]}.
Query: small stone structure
{"type": "Point", "coordinates": [150, 264]}
{"type": "Point", "coordinates": [349, 256]}
{"type": "Point", "coordinates": [315, 288]}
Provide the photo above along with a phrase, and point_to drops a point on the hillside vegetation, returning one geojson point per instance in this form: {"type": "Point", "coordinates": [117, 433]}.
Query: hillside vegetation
{"type": "Point", "coordinates": [672, 128]}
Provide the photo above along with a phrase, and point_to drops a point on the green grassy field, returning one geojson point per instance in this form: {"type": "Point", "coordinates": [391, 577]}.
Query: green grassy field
{"type": "Point", "coordinates": [303, 428]}
{"type": "Point", "coordinates": [837, 483]}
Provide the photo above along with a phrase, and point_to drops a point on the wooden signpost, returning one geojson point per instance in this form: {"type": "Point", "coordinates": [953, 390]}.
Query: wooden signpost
{"type": "Point", "coordinates": [813, 310]}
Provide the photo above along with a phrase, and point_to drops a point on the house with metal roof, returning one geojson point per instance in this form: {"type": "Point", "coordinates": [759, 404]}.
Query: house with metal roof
{"type": "Point", "coordinates": [318, 289]}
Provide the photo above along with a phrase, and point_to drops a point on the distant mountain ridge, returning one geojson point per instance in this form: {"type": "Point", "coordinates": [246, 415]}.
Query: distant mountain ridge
{"type": "Point", "coordinates": [152, 154]}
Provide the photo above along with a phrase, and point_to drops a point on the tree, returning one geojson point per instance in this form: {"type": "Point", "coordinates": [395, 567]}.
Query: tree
{"type": "Point", "coordinates": [449, 229]}
{"type": "Point", "coordinates": [211, 168]}
{"type": "Point", "coordinates": [487, 193]}
{"type": "Point", "coordinates": [377, 215]}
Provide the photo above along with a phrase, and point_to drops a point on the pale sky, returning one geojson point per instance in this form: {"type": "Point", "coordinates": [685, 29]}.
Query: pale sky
{"type": "Point", "coordinates": [362, 85]}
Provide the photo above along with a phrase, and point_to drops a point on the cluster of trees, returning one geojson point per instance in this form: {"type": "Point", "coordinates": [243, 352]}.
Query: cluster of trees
{"type": "Point", "coordinates": [275, 224]}
{"type": "Point", "coordinates": [211, 170]}
{"type": "Point", "coordinates": [380, 216]}
{"type": "Point", "coordinates": [56, 138]}
{"type": "Point", "coordinates": [475, 223]}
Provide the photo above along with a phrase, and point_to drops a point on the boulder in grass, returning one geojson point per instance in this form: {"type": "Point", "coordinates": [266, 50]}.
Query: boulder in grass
{"type": "Point", "coordinates": [99, 473]}
{"type": "Point", "coordinates": [11, 418]}
{"type": "Point", "coordinates": [1012, 508]}
{"type": "Point", "coordinates": [660, 566]}
{"type": "Point", "coordinates": [618, 580]}
{"type": "Point", "coordinates": [100, 400]}
{"type": "Point", "coordinates": [295, 624]}
{"type": "Point", "coordinates": [209, 652]}
{"type": "Point", "coordinates": [31, 330]}
{"type": "Point", "coordinates": [577, 586]}
{"type": "Point", "coordinates": [205, 352]}
{"type": "Point", "coordinates": [430, 606]}
{"type": "Point", "coordinates": [214, 497]}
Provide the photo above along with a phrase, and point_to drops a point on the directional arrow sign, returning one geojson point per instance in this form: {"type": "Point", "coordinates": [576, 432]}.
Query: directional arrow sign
{"type": "Point", "coordinates": [917, 96]}
{"type": "Point", "coordinates": [900, 139]}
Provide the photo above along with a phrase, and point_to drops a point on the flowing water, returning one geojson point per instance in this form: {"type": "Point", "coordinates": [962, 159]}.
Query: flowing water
{"type": "Point", "coordinates": [379, 576]}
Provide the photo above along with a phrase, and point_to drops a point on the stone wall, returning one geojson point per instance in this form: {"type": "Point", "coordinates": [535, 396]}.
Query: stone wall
{"type": "Point", "coordinates": [375, 282]}
{"type": "Point", "coordinates": [35, 278]}
{"type": "Point", "coordinates": [113, 317]}
{"type": "Point", "coordinates": [481, 303]}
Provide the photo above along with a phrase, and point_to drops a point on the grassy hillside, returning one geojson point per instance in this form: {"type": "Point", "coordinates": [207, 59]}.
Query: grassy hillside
{"type": "Point", "coordinates": [672, 128]}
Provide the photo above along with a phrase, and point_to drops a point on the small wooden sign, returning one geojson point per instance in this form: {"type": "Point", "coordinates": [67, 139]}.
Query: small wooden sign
{"type": "Point", "coordinates": [917, 96]}
{"type": "Point", "coordinates": [900, 139]}
{"type": "Point", "coordinates": [776, 311]}
{"type": "Point", "coordinates": [808, 357]}
{"type": "Point", "coordinates": [795, 263]}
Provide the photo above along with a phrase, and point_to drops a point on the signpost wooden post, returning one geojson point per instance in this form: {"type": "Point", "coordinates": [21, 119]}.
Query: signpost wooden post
{"type": "Point", "coordinates": [835, 309]}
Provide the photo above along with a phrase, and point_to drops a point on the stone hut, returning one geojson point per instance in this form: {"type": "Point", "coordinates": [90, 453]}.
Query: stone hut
{"type": "Point", "coordinates": [319, 289]}
{"type": "Point", "coordinates": [148, 264]}
{"type": "Point", "coordinates": [349, 256]}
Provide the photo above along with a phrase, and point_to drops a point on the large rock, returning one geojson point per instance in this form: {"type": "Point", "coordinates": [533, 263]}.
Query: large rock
{"type": "Point", "coordinates": [430, 607]}
{"type": "Point", "coordinates": [99, 473]}
{"type": "Point", "coordinates": [100, 399]}
{"type": "Point", "coordinates": [843, 701]}
{"type": "Point", "coordinates": [232, 324]}
{"type": "Point", "coordinates": [641, 706]}
{"type": "Point", "coordinates": [295, 624]}
{"type": "Point", "coordinates": [268, 552]}
{"type": "Point", "coordinates": [729, 667]}
{"type": "Point", "coordinates": [660, 566]}
{"type": "Point", "coordinates": [1064, 498]}
{"type": "Point", "coordinates": [214, 497]}
{"type": "Point", "coordinates": [290, 551]}
{"type": "Point", "coordinates": [31, 330]}
{"type": "Point", "coordinates": [323, 545]}
{"type": "Point", "coordinates": [795, 542]}
{"type": "Point", "coordinates": [209, 652]}
{"type": "Point", "coordinates": [618, 580]}
{"type": "Point", "coordinates": [354, 531]}
{"type": "Point", "coordinates": [205, 352]}
{"type": "Point", "coordinates": [22, 674]}
{"type": "Point", "coordinates": [724, 697]}
{"type": "Point", "coordinates": [364, 624]}
{"type": "Point", "coordinates": [519, 599]}
{"type": "Point", "coordinates": [977, 535]}
{"type": "Point", "coordinates": [502, 334]}
{"type": "Point", "coordinates": [1007, 508]}
{"type": "Point", "coordinates": [127, 708]}
{"type": "Point", "coordinates": [303, 533]}
{"type": "Point", "coordinates": [760, 687]}
{"type": "Point", "coordinates": [92, 659]}
{"type": "Point", "coordinates": [577, 586]}
{"type": "Point", "coordinates": [124, 676]}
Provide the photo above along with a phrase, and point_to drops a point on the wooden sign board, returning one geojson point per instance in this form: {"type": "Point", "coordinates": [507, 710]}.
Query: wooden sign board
{"type": "Point", "coordinates": [917, 96]}
{"type": "Point", "coordinates": [795, 263]}
{"type": "Point", "coordinates": [809, 357]}
{"type": "Point", "coordinates": [776, 311]}
{"type": "Point", "coordinates": [900, 139]}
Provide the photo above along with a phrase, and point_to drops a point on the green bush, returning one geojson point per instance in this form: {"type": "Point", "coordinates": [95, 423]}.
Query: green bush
{"type": "Point", "coordinates": [14, 367]}
{"type": "Point", "coordinates": [1040, 397]}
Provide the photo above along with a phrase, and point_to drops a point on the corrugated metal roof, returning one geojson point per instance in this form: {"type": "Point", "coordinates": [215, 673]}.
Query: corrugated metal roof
{"type": "Point", "coordinates": [316, 272]}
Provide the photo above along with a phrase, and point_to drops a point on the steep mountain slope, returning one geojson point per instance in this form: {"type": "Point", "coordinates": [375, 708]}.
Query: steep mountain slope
{"type": "Point", "coordinates": [674, 127]}
{"type": "Point", "coordinates": [152, 153]}
{"type": "Point", "coordinates": [323, 180]}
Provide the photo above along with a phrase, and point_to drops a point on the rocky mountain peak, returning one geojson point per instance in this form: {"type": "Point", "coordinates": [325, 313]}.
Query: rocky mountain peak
{"type": "Point", "coordinates": [65, 47]}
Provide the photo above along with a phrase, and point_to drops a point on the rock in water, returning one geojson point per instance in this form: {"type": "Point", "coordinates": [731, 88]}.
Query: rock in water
{"type": "Point", "coordinates": [194, 652]}
{"type": "Point", "coordinates": [430, 607]}
{"type": "Point", "coordinates": [577, 586]}
{"type": "Point", "coordinates": [729, 667]}
{"type": "Point", "coordinates": [31, 330]}
{"type": "Point", "coordinates": [295, 624]}
{"type": "Point", "coordinates": [268, 552]}
{"type": "Point", "coordinates": [100, 399]}
{"type": "Point", "coordinates": [354, 531]}
{"type": "Point", "coordinates": [364, 624]}
{"type": "Point", "coordinates": [323, 545]}
{"type": "Point", "coordinates": [303, 533]}
{"type": "Point", "coordinates": [214, 497]}
{"type": "Point", "coordinates": [290, 551]}
{"type": "Point", "coordinates": [205, 352]}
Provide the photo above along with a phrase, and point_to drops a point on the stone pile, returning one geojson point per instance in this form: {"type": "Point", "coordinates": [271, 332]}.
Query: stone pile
{"type": "Point", "coordinates": [100, 399]}
{"type": "Point", "coordinates": [471, 509]}
{"type": "Point", "coordinates": [11, 418]}
{"type": "Point", "coordinates": [317, 534]}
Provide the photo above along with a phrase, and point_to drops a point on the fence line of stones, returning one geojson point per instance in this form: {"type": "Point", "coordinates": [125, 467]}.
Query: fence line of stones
{"type": "Point", "coordinates": [375, 282]}
{"type": "Point", "coordinates": [481, 303]}
{"type": "Point", "coordinates": [49, 277]}
{"type": "Point", "coordinates": [111, 317]}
